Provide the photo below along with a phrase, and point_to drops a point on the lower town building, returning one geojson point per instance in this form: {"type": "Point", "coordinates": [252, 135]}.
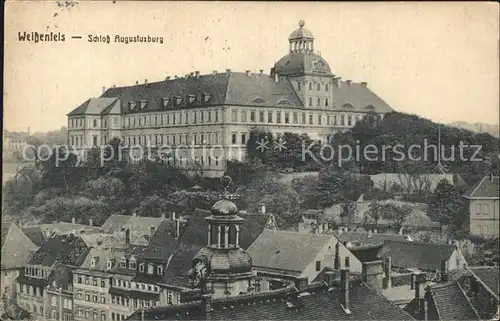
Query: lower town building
{"type": "Point", "coordinates": [483, 201]}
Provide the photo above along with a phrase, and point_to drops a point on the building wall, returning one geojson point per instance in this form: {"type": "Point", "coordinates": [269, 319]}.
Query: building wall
{"type": "Point", "coordinates": [456, 261]}
{"type": "Point", "coordinates": [59, 306]}
{"type": "Point", "coordinates": [90, 298]}
{"type": "Point", "coordinates": [484, 217]}
{"type": "Point", "coordinates": [32, 299]}
{"type": "Point", "coordinates": [8, 282]}
{"type": "Point", "coordinates": [326, 257]}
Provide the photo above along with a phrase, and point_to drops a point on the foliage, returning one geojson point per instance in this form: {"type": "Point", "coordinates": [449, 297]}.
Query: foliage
{"type": "Point", "coordinates": [447, 206]}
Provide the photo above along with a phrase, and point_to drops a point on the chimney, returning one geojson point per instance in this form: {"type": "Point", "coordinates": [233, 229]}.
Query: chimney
{"type": "Point", "coordinates": [337, 81]}
{"type": "Point", "coordinates": [492, 177]}
{"type": "Point", "coordinates": [162, 216]}
{"type": "Point", "coordinates": [134, 214]}
{"type": "Point", "coordinates": [136, 82]}
{"type": "Point", "coordinates": [103, 90]}
{"type": "Point", "coordinates": [263, 208]}
{"type": "Point", "coordinates": [152, 230]}
{"type": "Point", "coordinates": [206, 301]}
{"type": "Point", "coordinates": [90, 222]}
{"type": "Point", "coordinates": [276, 79]}
{"type": "Point", "coordinates": [177, 228]}
{"type": "Point", "coordinates": [374, 231]}
{"type": "Point", "coordinates": [114, 86]}
{"type": "Point", "coordinates": [197, 74]}
{"type": "Point", "coordinates": [215, 72]}
{"type": "Point", "coordinates": [174, 216]}
{"type": "Point", "coordinates": [191, 74]}
{"type": "Point", "coordinates": [301, 284]}
{"type": "Point", "coordinates": [167, 78]}
{"type": "Point", "coordinates": [369, 233]}
{"type": "Point", "coordinates": [127, 238]}
{"type": "Point", "coordinates": [340, 230]}
{"type": "Point", "coordinates": [388, 271]}
{"type": "Point", "coordinates": [373, 275]}
{"type": "Point", "coordinates": [247, 72]}
{"type": "Point", "coordinates": [444, 271]}
{"type": "Point", "coordinates": [426, 309]}
{"type": "Point", "coordinates": [329, 278]}
{"type": "Point", "coordinates": [228, 71]}
{"type": "Point", "coordinates": [348, 82]}
{"type": "Point", "coordinates": [82, 232]}
{"type": "Point", "coordinates": [261, 71]}
{"type": "Point", "coordinates": [73, 221]}
{"type": "Point", "coordinates": [419, 280]}
{"type": "Point", "coordinates": [344, 286]}
{"type": "Point", "coordinates": [175, 77]}
{"type": "Point", "coordinates": [364, 84]}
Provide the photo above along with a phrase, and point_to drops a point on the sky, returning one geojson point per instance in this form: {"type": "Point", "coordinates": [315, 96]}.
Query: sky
{"type": "Point", "coordinates": [437, 60]}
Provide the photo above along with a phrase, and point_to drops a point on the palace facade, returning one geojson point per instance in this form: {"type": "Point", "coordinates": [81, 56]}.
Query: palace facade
{"type": "Point", "coordinates": [198, 112]}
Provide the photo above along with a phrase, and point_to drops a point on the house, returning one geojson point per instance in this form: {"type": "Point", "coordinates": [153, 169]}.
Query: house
{"type": "Point", "coordinates": [60, 294]}
{"type": "Point", "coordinates": [344, 298]}
{"type": "Point", "coordinates": [483, 288]}
{"type": "Point", "coordinates": [35, 280]}
{"type": "Point", "coordinates": [482, 202]}
{"type": "Point", "coordinates": [17, 249]}
{"type": "Point", "coordinates": [431, 258]}
{"type": "Point", "coordinates": [280, 257]}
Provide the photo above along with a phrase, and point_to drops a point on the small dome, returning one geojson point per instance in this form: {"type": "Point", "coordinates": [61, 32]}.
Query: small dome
{"type": "Point", "coordinates": [302, 62]}
{"type": "Point", "coordinates": [228, 261]}
{"type": "Point", "coordinates": [224, 207]}
{"type": "Point", "coordinates": [301, 32]}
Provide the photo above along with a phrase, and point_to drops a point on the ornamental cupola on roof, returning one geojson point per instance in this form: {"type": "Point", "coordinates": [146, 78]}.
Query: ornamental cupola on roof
{"type": "Point", "coordinates": [301, 40]}
{"type": "Point", "coordinates": [222, 267]}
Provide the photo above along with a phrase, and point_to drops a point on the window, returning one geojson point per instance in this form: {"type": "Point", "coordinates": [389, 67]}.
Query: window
{"type": "Point", "coordinates": [310, 86]}
{"type": "Point", "coordinates": [87, 296]}
{"type": "Point", "coordinates": [95, 122]}
{"type": "Point", "coordinates": [243, 139]}
{"type": "Point", "coordinates": [234, 116]}
{"type": "Point", "coordinates": [326, 102]}
{"type": "Point", "coordinates": [80, 295]}
{"type": "Point", "coordinates": [150, 269]}
{"type": "Point", "coordinates": [87, 314]}
{"type": "Point", "coordinates": [270, 117]}
{"type": "Point", "coordinates": [303, 118]}
{"type": "Point", "coordinates": [318, 102]}
{"type": "Point", "coordinates": [103, 316]}
{"type": "Point", "coordinates": [209, 115]}
{"type": "Point", "coordinates": [94, 298]}
{"type": "Point", "coordinates": [216, 116]}
{"type": "Point", "coordinates": [334, 120]}
{"type": "Point", "coordinates": [123, 263]}
{"type": "Point", "coordinates": [318, 86]}
{"type": "Point", "coordinates": [95, 140]}
{"type": "Point", "coordinates": [311, 119]}
{"type": "Point", "coordinates": [326, 87]}
{"type": "Point", "coordinates": [310, 101]}
{"type": "Point", "coordinates": [261, 116]}
{"type": "Point", "coordinates": [318, 266]}
{"type": "Point", "coordinates": [186, 118]}
{"type": "Point", "coordinates": [349, 120]}
{"type": "Point", "coordinates": [159, 270]}
{"type": "Point", "coordinates": [342, 120]}
{"type": "Point", "coordinates": [278, 117]}
{"type": "Point", "coordinates": [298, 85]}
{"type": "Point", "coordinates": [79, 280]}
{"type": "Point", "coordinates": [103, 298]}
{"type": "Point", "coordinates": [287, 118]}
{"type": "Point", "coordinates": [94, 281]}
{"type": "Point", "coordinates": [233, 139]}
{"type": "Point", "coordinates": [54, 301]}
{"type": "Point", "coordinates": [94, 315]}
{"type": "Point", "coordinates": [319, 119]}
{"type": "Point", "coordinates": [243, 116]}
{"type": "Point", "coordinates": [41, 310]}
{"type": "Point", "coordinates": [486, 209]}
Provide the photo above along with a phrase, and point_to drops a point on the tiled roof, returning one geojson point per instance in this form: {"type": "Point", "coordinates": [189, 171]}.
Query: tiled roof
{"type": "Point", "coordinates": [194, 238]}
{"type": "Point", "coordinates": [164, 242]}
{"type": "Point", "coordinates": [488, 275]}
{"type": "Point", "coordinates": [140, 227]}
{"type": "Point", "coordinates": [363, 238]}
{"type": "Point", "coordinates": [487, 187]}
{"type": "Point", "coordinates": [95, 106]}
{"type": "Point", "coordinates": [61, 277]}
{"type": "Point", "coordinates": [35, 234]}
{"type": "Point", "coordinates": [280, 249]}
{"type": "Point", "coordinates": [452, 303]}
{"type": "Point", "coordinates": [101, 257]}
{"type": "Point", "coordinates": [17, 248]}
{"type": "Point", "coordinates": [318, 303]}
{"type": "Point", "coordinates": [423, 256]}
{"type": "Point", "coordinates": [66, 249]}
{"type": "Point", "coordinates": [232, 88]}
{"type": "Point", "coordinates": [115, 222]}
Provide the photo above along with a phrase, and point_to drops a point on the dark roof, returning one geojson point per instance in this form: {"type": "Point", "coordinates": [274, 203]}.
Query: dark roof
{"type": "Point", "coordinates": [163, 243]}
{"type": "Point", "coordinates": [364, 238]}
{"type": "Point", "coordinates": [194, 239]}
{"type": "Point", "coordinates": [286, 250]}
{"type": "Point", "coordinates": [61, 277]}
{"type": "Point", "coordinates": [424, 256]}
{"type": "Point", "coordinates": [318, 303]}
{"type": "Point", "coordinates": [366, 253]}
{"type": "Point", "coordinates": [67, 249]}
{"type": "Point", "coordinates": [134, 293]}
{"type": "Point", "coordinates": [95, 106]}
{"type": "Point", "coordinates": [488, 275]}
{"type": "Point", "coordinates": [452, 303]}
{"type": "Point", "coordinates": [35, 234]}
{"type": "Point", "coordinates": [487, 187]}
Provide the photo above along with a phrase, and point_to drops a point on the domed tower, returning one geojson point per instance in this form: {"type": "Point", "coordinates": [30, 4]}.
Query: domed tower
{"type": "Point", "coordinates": [222, 267]}
{"type": "Point", "coordinates": [308, 72]}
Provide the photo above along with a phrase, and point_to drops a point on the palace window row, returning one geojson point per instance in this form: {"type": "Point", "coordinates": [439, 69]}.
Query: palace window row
{"type": "Point", "coordinates": [174, 118]}
{"type": "Point", "coordinates": [36, 272]}
{"type": "Point", "coordinates": [31, 290]}
{"type": "Point", "coordinates": [173, 139]}
{"type": "Point", "coordinates": [94, 281]}
{"type": "Point", "coordinates": [319, 86]}
{"type": "Point", "coordinates": [135, 303]}
{"type": "Point", "coordinates": [91, 314]}
{"type": "Point", "coordinates": [91, 296]}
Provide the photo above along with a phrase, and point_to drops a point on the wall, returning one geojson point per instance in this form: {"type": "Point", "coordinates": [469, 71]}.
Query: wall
{"type": "Point", "coordinates": [484, 217]}
{"type": "Point", "coordinates": [8, 283]}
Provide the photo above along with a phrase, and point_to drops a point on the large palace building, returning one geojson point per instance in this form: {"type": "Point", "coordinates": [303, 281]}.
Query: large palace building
{"type": "Point", "coordinates": [197, 112]}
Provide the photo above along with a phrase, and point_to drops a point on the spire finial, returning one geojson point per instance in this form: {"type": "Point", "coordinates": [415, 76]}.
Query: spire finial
{"type": "Point", "coordinates": [225, 182]}
{"type": "Point", "coordinates": [302, 23]}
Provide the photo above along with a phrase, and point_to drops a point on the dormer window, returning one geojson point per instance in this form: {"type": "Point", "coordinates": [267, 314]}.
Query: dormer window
{"type": "Point", "coordinates": [369, 107]}
{"type": "Point", "coordinates": [206, 97]}
{"type": "Point", "coordinates": [166, 101]}
{"type": "Point", "coordinates": [191, 98]}
{"type": "Point", "coordinates": [151, 269]}
{"type": "Point", "coordinates": [141, 267]}
{"type": "Point", "coordinates": [348, 105]}
{"type": "Point", "coordinates": [123, 263]}
{"type": "Point", "coordinates": [143, 104]}
{"type": "Point", "coordinates": [178, 100]}
{"type": "Point", "coordinates": [131, 105]}
{"type": "Point", "coordinates": [159, 270]}
{"type": "Point", "coordinates": [93, 262]}
{"type": "Point", "coordinates": [132, 263]}
{"type": "Point", "coordinates": [109, 264]}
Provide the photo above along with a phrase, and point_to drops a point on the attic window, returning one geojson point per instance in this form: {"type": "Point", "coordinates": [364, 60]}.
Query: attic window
{"type": "Point", "coordinates": [348, 105]}
{"type": "Point", "coordinates": [150, 269]}
{"type": "Point", "coordinates": [123, 262]}
{"type": "Point", "coordinates": [284, 102]}
{"type": "Point", "coordinates": [141, 267]}
{"type": "Point", "coordinates": [132, 263]}
{"type": "Point", "coordinates": [206, 97]}
{"type": "Point", "coordinates": [109, 264]}
{"type": "Point", "coordinates": [159, 270]}
{"type": "Point", "coordinates": [258, 100]}
{"type": "Point", "coordinates": [178, 100]}
{"type": "Point", "coordinates": [94, 261]}
{"type": "Point", "coordinates": [369, 107]}
{"type": "Point", "coordinates": [166, 101]}
{"type": "Point", "coordinates": [191, 98]}
{"type": "Point", "coordinates": [143, 104]}
{"type": "Point", "coordinates": [131, 105]}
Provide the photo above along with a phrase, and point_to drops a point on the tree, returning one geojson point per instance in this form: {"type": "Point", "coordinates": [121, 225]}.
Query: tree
{"type": "Point", "coordinates": [19, 192]}
{"type": "Point", "coordinates": [398, 214]}
{"type": "Point", "coordinates": [376, 211]}
{"type": "Point", "coordinates": [447, 206]}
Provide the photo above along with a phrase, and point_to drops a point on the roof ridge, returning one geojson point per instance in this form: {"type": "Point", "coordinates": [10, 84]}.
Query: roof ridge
{"type": "Point", "coordinates": [477, 186]}
{"type": "Point", "coordinates": [419, 243]}
{"type": "Point", "coordinates": [468, 300]}
{"type": "Point", "coordinates": [386, 299]}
